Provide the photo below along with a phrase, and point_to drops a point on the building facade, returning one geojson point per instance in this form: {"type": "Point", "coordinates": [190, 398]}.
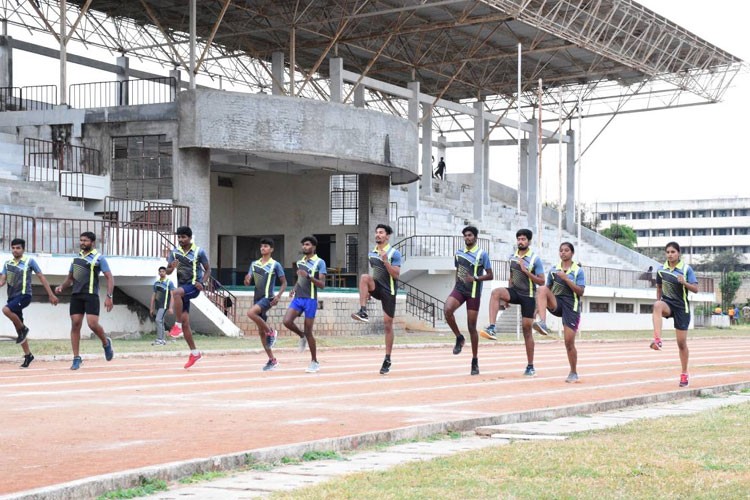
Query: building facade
{"type": "Point", "coordinates": [701, 227]}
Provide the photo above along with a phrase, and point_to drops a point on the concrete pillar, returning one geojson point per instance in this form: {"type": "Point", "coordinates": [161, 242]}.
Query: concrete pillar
{"type": "Point", "coordinates": [123, 92]}
{"type": "Point", "coordinates": [6, 56]}
{"type": "Point", "coordinates": [413, 196]}
{"type": "Point", "coordinates": [524, 180]}
{"type": "Point", "coordinates": [486, 166]}
{"type": "Point", "coordinates": [427, 149]}
{"type": "Point", "coordinates": [570, 184]}
{"type": "Point", "coordinates": [374, 194]}
{"type": "Point", "coordinates": [359, 96]}
{"type": "Point", "coordinates": [192, 187]}
{"type": "Point", "coordinates": [479, 185]}
{"type": "Point", "coordinates": [336, 67]}
{"type": "Point", "coordinates": [277, 71]}
{"type": "Point", "coordinates": [175, 73]}
{"type": "Point", "coordinates": [532, 175]}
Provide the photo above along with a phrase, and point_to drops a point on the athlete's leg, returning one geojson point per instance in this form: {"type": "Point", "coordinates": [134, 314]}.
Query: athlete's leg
{"type": "Point", "coordinates": [13, 317]}
{"type": "Point", "coordinates": [661, 310]}
{"type": "Point", "coordinates": [451, 305]}
{"type": "Point", "coordinates": [263, 328]}
{"type": "Point", "coordinates": [93, 322]}
{"type": "Point", "coordinates": [186, 331]}
{"type": "Point", "coordinates": [683, 347]}
{"type": "Point", "coordinates": [545, 300]}
{"type": "Point", "coordinates": [528, 338]}
{"type": "Point", "coordinates": [570, 347]}
{"type": "Point", "coordinates": [471, 321]}
{"type": "Point", "coordinates": [366, 285]}
{"type": "Point", "coordinates": [76, 321]}
{"type": "Point", "coordinates": [388, 323]}
{"type": "Point", "coordinates": [289, 317]}
{"type": "Point", "coordinates": [309, 323]}
{"type": "Point", "coordinates": [176, 303]}
{"type": "Point", "coordinates": [498, 300]}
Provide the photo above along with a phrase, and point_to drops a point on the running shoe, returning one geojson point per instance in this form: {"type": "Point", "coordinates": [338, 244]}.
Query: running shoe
{"type": "Point", "coordinates": [475, 367]}
{"type": "Point", "coordinates": [302, 345]}
{"type": "Point", "coordinates": [572, 378]}
{"type": "Point", "coordinates": [386, 367]}
{"type": "Point", "coordinates": [109, 353]}
{"type": "Point", "coordinates": [460, 341]}
{"type": "Point", "coordinates": [541, 327]}
{"type": "Point", "coordinates": [488, 333]}
{"type": "Point", "coordinates": [22, 333]}
{"type": "Point", "coordinates": [176, 331]}
{"type": "Point", "coordinates": [77, 361]}
{"type": "Point", "coordinates": [271, 365]}
{"type": "Point", "coordinates": [313, 368]}
{"type": "Point", "coordinates": [656, 344]}
{"type": "Point", "coordinates": [159, 342]}
{"type": "Point", "coordinates": [684, 382]}
{"type": "Point", "coordinates": [27, 359]}
{"type": "Point", "coordinates": [530, 371]}
{"type": "Point", "coordinates": [361, 315]}
{"type": "Point", "coordinates": [193, 359]}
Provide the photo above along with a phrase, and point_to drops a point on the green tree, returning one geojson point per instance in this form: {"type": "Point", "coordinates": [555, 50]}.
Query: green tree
{"type": "Point", "coordinates": [720, 262]}
{"type": "Point", "coordinates": [730, 283]}
{"type": "Point", "coordinates": [624, 235]}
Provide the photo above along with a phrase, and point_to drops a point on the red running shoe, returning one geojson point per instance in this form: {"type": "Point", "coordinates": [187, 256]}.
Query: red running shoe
{"type": "Point", "coordinates": [192, 360]}
{"type": "Point", "coordinates": [175, 332]}
{"type": "Point", "coordinates": [684, 382]}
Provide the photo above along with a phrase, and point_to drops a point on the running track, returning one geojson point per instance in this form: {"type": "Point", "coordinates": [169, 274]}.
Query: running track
{"type": "Point", "coordinates": [60, 425]}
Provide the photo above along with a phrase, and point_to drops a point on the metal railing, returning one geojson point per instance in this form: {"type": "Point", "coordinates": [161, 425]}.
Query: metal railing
{"type": "Point", "coordinates": [62, 163]}
{"type": "Point", "coordinates": [422, 305]}
{"type": "Point", "coordinates": [62, 235]}
{"type": "Point", "coordinates": [435, 246]}
{"type": "Point", "coordinates": [16, 226]}
{"type": "Point", "coordinates": [406, 225]}
{"type": "Point", "coordinates": [141, 214]}
{"type": "Point", "coordinates": [31, 98]}
{"type": "Point", "coordinates": [122, 93]}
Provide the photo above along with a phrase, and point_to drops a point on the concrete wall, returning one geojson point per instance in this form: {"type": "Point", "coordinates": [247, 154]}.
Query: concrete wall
{"type": "Point", "coordinates": [319, 134]}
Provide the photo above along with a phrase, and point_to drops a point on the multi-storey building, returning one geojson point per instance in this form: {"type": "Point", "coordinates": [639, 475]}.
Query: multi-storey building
{"type": "Point", "coordinates": [701, 227]}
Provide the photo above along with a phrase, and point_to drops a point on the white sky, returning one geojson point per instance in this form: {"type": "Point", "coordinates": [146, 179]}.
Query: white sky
{"type": "Point", "coordinates": [689, 153]}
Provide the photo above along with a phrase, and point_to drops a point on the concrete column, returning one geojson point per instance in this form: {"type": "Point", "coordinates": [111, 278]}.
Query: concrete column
{"type": "Point", "coordinates": [359, 96]}
{"type": "Point", "coordinates": [479, 185]}
{"type": "Point", "coordinates": [192, 187]}
{"type": "Point", "coordinates": [524, 181]}
{"type": "Point", "coordinates": [427, 149]}
{"type": "Point", "coordinates": [532, 176]}
{"type": "Point", "coordinates": [175, 73]}
{"type": "Point", "coordinates": [277, 71]}
{"type": "Point", "coordinates": [413, 196]}
{"type": "Point", "coordinates": [6, 56]}
{"type": "Point", "coordinates": [486, 167]}
{"type": "Point", "coordinates": [570, 184]}
{"type": "Point", "coordinates": [123, 93]}
{"type": "Point", "coordinates": [374, 194]}
{"type": "Point", "coordinates": [336, 67]}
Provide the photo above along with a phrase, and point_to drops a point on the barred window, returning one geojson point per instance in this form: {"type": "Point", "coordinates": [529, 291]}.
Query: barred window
{"type": "Point", "coordinates": [598, 307]}
{"type": "Point", "coordinates": [352, 247]}
{"type": "Point", "coordinates": [344, 200]}
{"type": "Point", "coordinates": [142, 167]}
{"type": "Point", "coordinates": [646, 308]}
{"type": "Point", "coordinates": [624, 308]}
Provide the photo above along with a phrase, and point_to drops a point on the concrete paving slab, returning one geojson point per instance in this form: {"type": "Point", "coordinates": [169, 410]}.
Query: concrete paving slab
{"type": "Point", "coordinates": [529, 437]}
{"type": "Point", "coordinates": [206, 493]}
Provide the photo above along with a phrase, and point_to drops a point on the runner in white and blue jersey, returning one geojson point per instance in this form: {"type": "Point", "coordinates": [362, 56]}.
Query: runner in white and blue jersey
{"type": "Point", "coordinates": [561, 296]}
{"type": "Point", "coordinates": [473, 266]}
{"type": "Point", "coordinates": [161, 299]}
{"type": "Point", "coordinates": [193, 275]}
{"type": "Point", "coordinates": [263, 274]}
{"type": "Point", "coordinates": [16, 272]}
{"type": "Point", "coordinates": [381, 285]}
{"type": "Point", "coordinates": [311, 277]}
{"type": "Point", "coordinates": [674, 279]}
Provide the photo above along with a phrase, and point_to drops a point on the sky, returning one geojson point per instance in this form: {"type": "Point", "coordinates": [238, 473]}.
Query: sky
{"type": "Point", "coordinates": [695, 152]}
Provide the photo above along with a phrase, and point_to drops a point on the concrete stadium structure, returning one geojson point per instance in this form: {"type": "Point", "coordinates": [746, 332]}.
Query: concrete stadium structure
{"type": "Point", "coordinates": [323, 130]}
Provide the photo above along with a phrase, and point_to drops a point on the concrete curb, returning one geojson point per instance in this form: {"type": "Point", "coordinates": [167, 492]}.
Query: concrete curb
{"type": "Point", "coordinates": [97, 485]}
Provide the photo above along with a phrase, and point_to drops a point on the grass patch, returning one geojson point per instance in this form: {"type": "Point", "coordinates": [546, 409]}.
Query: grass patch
{"type": "Point", "coordinates": [699, 456]}
{"type": "Point", "coordinates": [147, 487]}
{"type": "Point", "coordinates": [310, 456]}
{"type": "Point", "coordinates": [199, 477]}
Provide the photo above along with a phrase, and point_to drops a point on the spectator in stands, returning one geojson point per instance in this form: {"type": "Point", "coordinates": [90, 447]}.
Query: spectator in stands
{"type": "Point", "coordinates": [440, 171]}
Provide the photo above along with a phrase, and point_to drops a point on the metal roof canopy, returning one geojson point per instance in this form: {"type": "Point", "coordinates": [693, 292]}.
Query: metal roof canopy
{"type": "Point", "coordinates": [615, 54]}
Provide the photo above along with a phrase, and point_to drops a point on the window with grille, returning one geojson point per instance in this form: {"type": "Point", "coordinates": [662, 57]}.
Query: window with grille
{"type": "Point", "coordinates": [344, 200]}
{"type": "Point", "coordinates": [598, 307]}
{"type": "Point", "coordinates": [352, 247]}
{"type": "Point", "coordinates": [624, 308]}
{"type": "Point", "coordinates": [142, 167]}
